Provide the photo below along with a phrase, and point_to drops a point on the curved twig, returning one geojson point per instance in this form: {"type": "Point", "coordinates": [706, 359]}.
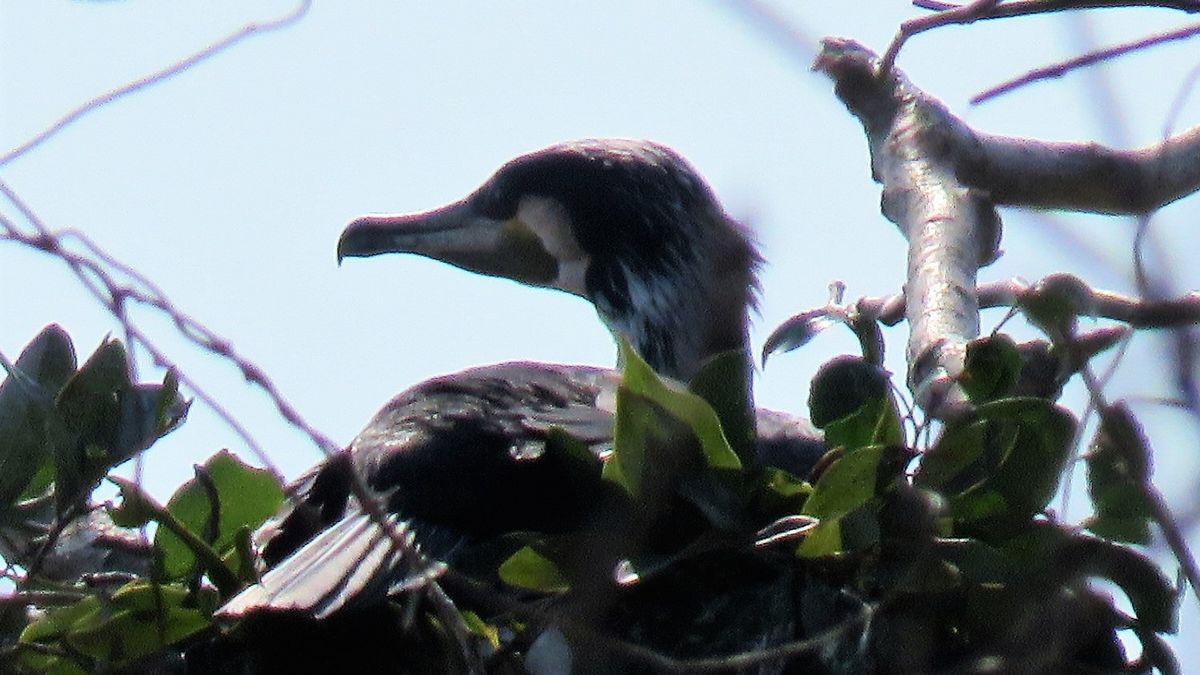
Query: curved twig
{"type": "Point", "coordinates": [107, 97]}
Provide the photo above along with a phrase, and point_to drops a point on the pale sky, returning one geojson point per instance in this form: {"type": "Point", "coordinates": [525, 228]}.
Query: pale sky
{"type": "Point", "coordinates": [229, 184]}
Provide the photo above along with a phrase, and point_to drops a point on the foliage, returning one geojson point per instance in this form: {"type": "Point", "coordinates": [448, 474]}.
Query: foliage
{"type": "Point", "coordinates": [62, 429]}
{"type": "Point", "coordinates": [960, 546]}
{"type": "Point", "coordinates": [951, 542]}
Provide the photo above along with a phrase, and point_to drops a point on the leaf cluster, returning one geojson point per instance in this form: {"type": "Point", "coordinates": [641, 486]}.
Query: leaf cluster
{"type": "Point", "coordinates": [892, 555]}
{"type": "Point", "coordinates": [63, 428]}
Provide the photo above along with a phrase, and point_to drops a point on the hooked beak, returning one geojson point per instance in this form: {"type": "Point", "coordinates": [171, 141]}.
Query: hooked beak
{"type": "Point", "coordinates": [454, 234]}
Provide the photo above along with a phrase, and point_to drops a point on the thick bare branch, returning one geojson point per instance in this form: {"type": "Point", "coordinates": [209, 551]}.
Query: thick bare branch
{"type": "Point", "coordinates": [951, 228]}
{"type": "Point", "coordinates": [941, 179]}
{"type": "Point", "coordinates": [1071, 176]}
{"type": "Point", "coordinates": [1080, 176]}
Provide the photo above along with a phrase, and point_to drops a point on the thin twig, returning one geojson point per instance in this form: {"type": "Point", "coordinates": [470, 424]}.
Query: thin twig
{"type": "Point", "coordinates": [107, 97]}
{"type": "Point", "coordinates": [1063, 67]}
{"type": "Point", "coordinates": [93, 276]}
{"type": "Point", "coordinates": [981, 10]}
{"type": "Point", "coordinates": [775, 28]}
{"type": "Point", "coordinates": [1165, 313]}
{"type": "Point", "coordinates": [963, 14]}
{"type": "Point", "coordinates": [1008, 10]}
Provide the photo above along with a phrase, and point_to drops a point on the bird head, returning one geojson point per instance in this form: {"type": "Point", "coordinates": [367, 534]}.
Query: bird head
{"type": "Point", "coordinates": [626, 224]}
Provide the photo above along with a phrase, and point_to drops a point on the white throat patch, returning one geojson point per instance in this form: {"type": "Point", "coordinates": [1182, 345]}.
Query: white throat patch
{"type": "Point", "coordinates": [548, 219]}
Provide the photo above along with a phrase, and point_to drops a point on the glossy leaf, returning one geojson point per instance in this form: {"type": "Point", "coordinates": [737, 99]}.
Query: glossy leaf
{"type": "Point", "coordinates": [246, 497]}
{"type": "Point", "coordinates": [798, 330]}
{"type": "Point", "coordinates": [1002, 462]}
{"type": "Point", "coordinates": [847, 485]}
{"type": "Point", "coordinates": [640, 431]}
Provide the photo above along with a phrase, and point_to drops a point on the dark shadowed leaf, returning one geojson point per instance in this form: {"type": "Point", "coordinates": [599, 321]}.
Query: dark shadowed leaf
{"type": "Point", "coordinates": [134, 510]}
{"type": "Point", "coordinates": [148, 412]}
{"type": "Point", "coordinates": [1119, 478]}
{"type": "Point", "coordinates": [1055, 302]}
{"type": "Point", "coordinates": [778, 494]}
{"type": "Point", "coordinates": [26, 409]}
{"type": "Point", "coordinates": [107, 419]}
{"type": "Point", "coordinates": [800, 329]}
{"type": "Point", "coordinates": [1155, 600]}
{"type": "Point", "coordinates": [724, 382]}
{"type": "Point", "coordinates": [1001, 462]}
{"type": "Point", "coordinates": [851, 400]}
{"type": "Point", "coordinates": [90, 408]}
{"type": "Point", "coordinates": [992, 368]}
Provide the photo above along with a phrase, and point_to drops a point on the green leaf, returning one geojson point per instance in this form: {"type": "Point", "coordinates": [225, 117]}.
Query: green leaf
{"type": "Point", "coordinates": [139, 619]}
{"type": "Point", "coordinates": [641, 433]}
{"type": "Point", "coordinates": [1001, 463]}
{"type": "Point", "coordinates": [1119, 478]}
{"type": "Point", "coordinates": [246, 497]}
{"type": "Point", "coordinates": [848, 485]}
{"type": "Point", "coordinates": [135, 510]}
{"type": "Point", "coordinates": [978, 562]}
{"type": "Point", "coordinates": [90, 409]}
{"type": "Point", "coordinates": [26, 408]}
{"type": "Point", "coordinates": [855, 531]}
{"type": "Point", "coordinates": [724, 382]}
{"type": "Point", "coordinates": [106, 419]}
{"type": "Point", "coordinates": [992, 368]}
{"type": "Point", "coordinates": [778, 493]}
{"type": "Point", "coordinates": [478, 626]}
{"type": "Point", "coordinates": [851, 400]}
{"type": "Point", "coordinates": [148, 412]}
{"type": "Point", "coordinates": [533, 571]}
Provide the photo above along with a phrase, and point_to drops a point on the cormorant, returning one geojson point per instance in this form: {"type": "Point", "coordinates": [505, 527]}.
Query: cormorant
{"type": "Point", "coordinates": [625, 224]}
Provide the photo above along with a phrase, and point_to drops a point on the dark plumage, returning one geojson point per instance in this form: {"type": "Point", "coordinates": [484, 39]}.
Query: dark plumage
{"type": "Point", "coordinates": [627, 225]}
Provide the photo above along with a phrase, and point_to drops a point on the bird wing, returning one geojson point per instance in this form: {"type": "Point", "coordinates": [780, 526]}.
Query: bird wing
{"type": "Point", "coordinates": [455, 458]}
{"type": "Point", "coordinates": [355, 562]}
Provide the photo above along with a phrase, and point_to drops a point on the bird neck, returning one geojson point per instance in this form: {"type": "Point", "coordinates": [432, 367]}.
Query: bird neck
{"type": "Point", "coordinates": [679, 324]}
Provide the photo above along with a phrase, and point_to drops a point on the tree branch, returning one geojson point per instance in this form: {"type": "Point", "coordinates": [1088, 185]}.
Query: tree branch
{"type": "Point", "coordinates": [154, 78]}
{"type": "Point", "coordinates": [951, 228]}
{"type": "Point", "coordinates": [1091, 58]}
{"type": "Point", "coordinates": [1161, 313]}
